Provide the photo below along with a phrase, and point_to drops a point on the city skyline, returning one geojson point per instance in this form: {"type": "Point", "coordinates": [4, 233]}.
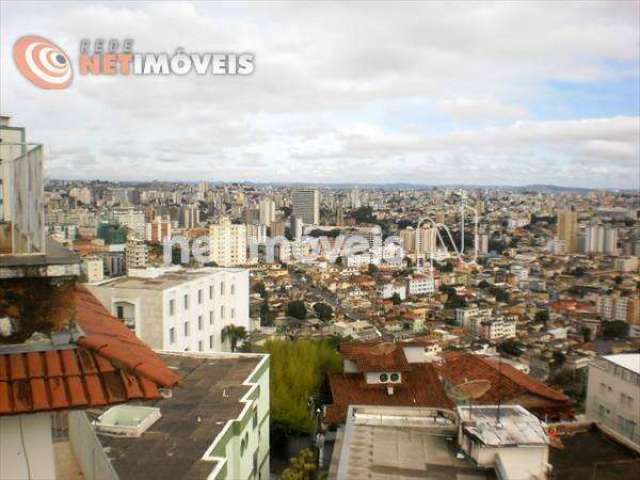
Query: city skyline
{"type": "Point", "coordinates": [431, 94]}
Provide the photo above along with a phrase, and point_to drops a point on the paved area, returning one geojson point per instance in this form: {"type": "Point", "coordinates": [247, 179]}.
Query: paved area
{"type": "Point", "coordinates": [66, 465]}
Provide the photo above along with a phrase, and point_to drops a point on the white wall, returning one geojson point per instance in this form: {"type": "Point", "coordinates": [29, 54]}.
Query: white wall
{"type": "Point", "coordinates": [26, 447]}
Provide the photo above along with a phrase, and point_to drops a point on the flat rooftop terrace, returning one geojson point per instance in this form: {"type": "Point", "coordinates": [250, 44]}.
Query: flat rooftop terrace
{"type": "Point", "coordinates": [192, 418]}
{"type": "Point", "coordinates": [402, 448]}
{"type": "Point", "coordinates": [588, 453]}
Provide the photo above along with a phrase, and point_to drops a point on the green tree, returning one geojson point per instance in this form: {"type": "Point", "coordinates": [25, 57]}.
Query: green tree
{"type": "Point", "coordinates": [615, 329]}
{"type": "Point", "coordinates": [297, 309]}
{"type": "Point", "coordinates": [267, 317]}
{"type": "Point", "coordinates": [323, 311]}
{"type": "Point", "coordinates": [395, 298]}
{"type": "Point", "coordinates": [301, 467]}
{"type": "Point", "coordinates": [234, 334]}
{"type": "Point", "coordinates": [261, 289]}
{"type": "Point", "coordinates": [542, 316]}
{"type": "Point", "coordinates": [298, 373]}
{"type": "Point", "coordinates": [373, 270]}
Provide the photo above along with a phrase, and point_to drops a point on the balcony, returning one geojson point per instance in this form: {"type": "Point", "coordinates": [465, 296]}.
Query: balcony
{"type": "Point", "coordinates": [25, 251]}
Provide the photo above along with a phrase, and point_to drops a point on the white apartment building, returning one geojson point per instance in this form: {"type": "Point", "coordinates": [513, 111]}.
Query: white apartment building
{"type": "Point", "coordinates": [267, 211]}
{"type": "Point", "coordinates": [228, 243]}
{"type": "Point", "coordinates": [306, 205]}
{"type": "Point", "coordinates": [136, 254]}
{"type": "Point", "coordinates": [616, 307]}
{"type": "Point", "coordinates": [132, 218]}
{"type": "Point", "coordinates": [93, 269]}
{"type": "Point", "coordinates": [179, 310]}
{"type": "Point", "coordinates": [389, 289]}
{"type": "Point", "coordinates": [613, 394]}
{"type": "Point", "coordinates": [463, 315]}
{"type": "Point", "coordinates": [502, 327]}
{"type": "Point", "coordinates": [420, 285]}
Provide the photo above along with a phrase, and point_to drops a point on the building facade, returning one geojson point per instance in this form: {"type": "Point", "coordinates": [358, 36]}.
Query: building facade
{"type": "Point", "coordinates": [180, 310]}
{"type": "Point", "coordinates": [306, 205]}
{"type": "Point", "coordinates": [228, 243]}
{"type": "Point", "coordinates": [613, 394]}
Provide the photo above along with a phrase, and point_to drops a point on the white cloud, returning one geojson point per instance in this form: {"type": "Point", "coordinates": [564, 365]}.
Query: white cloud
{"type": "Point", "coordinates": [358, 92]}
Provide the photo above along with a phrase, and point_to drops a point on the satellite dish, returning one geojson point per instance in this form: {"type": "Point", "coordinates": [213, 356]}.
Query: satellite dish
{"type": "Point", "coordinates": [383, 349]}
{"type": "Point", "coordinates": [470, 390]}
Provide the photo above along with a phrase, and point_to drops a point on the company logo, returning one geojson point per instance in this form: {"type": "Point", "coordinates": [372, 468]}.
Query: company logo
{"type": "Point", "coordinates": [42, 62]}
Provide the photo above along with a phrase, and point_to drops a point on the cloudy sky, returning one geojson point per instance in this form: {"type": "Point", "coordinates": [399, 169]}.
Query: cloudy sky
{"type": "Point", "coordinates": [493, 93]}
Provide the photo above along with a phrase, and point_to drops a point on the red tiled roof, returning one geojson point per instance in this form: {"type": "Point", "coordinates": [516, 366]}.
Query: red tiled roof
{"type": "Point", "coordinates": [460, 367]}
{"type": "Point", "coordinates": [375, 357]}
{"type": "Point", "coordinates": [107, 366]}
{"type": "Point", "coordinates": [419, 387]}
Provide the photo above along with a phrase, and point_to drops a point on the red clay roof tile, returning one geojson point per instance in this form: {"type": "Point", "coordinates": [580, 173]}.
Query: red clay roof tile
{"type": "Point", "coordinates": [39, 394]}
{"type": "Point", "coordinates": [52, 361]}
{"type": "Point", "coordinates": [17, 370]}
{"type": "Point", "coordinates": [419, 383]}
{"type": "Point", "coordinates": [34, 362]}
{"type": "Point", "coordinates": [5, 398]}
{"type": "Point", "coordinates": [69, 362]}
{"type": "Point", "coordinates": [108, 365]}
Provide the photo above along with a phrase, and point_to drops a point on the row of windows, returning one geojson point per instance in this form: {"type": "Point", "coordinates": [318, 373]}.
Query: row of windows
{"type": "Point", "coordinates": [172, 337]}
{"type": "Point", "coordinates": [185, 300]}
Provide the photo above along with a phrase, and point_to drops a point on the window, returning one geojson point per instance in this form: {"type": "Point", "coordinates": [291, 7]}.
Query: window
{"type": "Point", "coordinates": [199, 296]}
{"type": "Point", "coordinates": [211, 341]}
{"type": "Point", "coordinates": [200, 347]}
{"type": "Point", "coordinates": [211, 317]}
{"type": "Point", "coordinates": [186, 301]}
{"type": "Point", "coordinates": [221, 312]}
{"type": "Point", "coordinates": [186, 329]}
{"type": "Point", "coordinates": [255, 462]}
{"type": "Point", "coordinates": [255, 418]}
{"type": "Point", "coordinates": [172, 335]}
{"type": "Point", "coordinates": [221, 288]}
{"type": "Point", "coordinates": [172, 307]}
{"type": "Point", "coordinates": [210, 292]}
{"type": "Point", "coordinates": [200, 322]}
{"type": "Point", "coordinates": [233, 289]}
{"type": "Point", "coordinates": [233, 313]}
{"type": "Point", "coordinates": [120, 310]}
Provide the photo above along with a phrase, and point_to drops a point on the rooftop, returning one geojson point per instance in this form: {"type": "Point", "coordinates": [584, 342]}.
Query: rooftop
{"type": "Point", "coordinates": [401, 443]}
{"type": "Point", "coordinates": [163, 281]}
{"type": "Point", "coordinates": [505, 425]}
{"type": "Point", "coordinates": [584, 451]}
{"type": "Point", "coordinates": [210, 396]}
{"type": "Point", "coordinates": [630, 361]}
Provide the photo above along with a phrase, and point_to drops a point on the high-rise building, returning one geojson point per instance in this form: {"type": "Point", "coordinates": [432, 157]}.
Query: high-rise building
{"type": "Point", "coordinates": [190, 216]}
{"type": "Point", "coordinates": [306, 205]}
{"type": "Point", "coordinates": [426, 240]}
{"type": "Point", "coordinates": [158, 230]}
{"type": "Point", "coordinates": [267, 209]}
{"type": "Point", "coordinates": [568, 228]}
{"type": "Point", "coordinates": [136, 254]}
{"type": "Point", "coordinates": [601, 239]}
{"type": "Point", "coordinates": [228, 243]}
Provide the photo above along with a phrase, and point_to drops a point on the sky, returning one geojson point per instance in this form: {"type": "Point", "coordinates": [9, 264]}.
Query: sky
{"type": "Point", "coordinates": [485, 93]}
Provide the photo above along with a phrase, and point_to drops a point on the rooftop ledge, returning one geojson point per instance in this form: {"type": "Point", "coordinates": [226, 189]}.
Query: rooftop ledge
{"type": "Point", "coordinates": [56, 262]}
